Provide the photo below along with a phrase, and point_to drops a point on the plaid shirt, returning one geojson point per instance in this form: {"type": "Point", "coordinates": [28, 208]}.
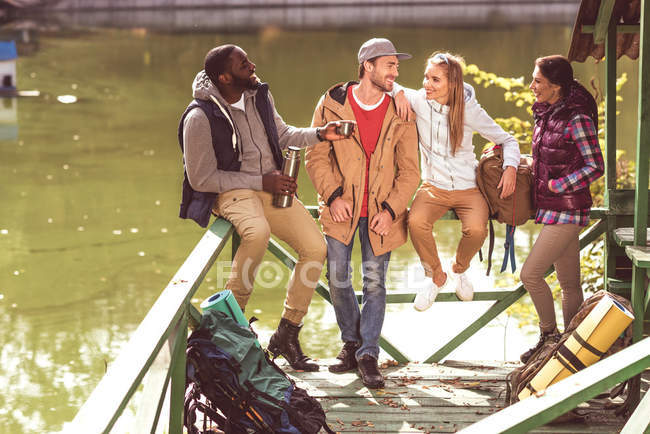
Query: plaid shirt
{"type": "Point", "coordinates": [582, 131]}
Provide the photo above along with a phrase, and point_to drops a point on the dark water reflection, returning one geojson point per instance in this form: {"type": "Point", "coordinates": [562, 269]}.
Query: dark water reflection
{"type": "Point", "coordinates": [89, 229]}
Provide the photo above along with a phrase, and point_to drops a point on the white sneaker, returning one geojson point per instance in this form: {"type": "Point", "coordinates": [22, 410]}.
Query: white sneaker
{"type": "Point", "coordinates": [464, 288]}
{"type": "Point", "coordinates": [427, 295]}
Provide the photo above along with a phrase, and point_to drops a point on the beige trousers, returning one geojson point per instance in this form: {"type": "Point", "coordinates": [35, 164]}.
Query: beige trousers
{"type": "Point", "coordinates": [255, 219]}
{"type": "Point", "coordinates": [556, 245]}
{"type": "Point", "coordinates": [429, 205]}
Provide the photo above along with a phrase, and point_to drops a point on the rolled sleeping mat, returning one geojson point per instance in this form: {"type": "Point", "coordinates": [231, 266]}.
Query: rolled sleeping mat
{"type": "Point", "coordinates": [586, 345]}
{"type": "Point", "coordinates": [225, 302]}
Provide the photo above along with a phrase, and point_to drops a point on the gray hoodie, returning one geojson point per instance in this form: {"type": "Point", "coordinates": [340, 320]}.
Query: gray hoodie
{"type": "Point", "coordinates": [256, 157]}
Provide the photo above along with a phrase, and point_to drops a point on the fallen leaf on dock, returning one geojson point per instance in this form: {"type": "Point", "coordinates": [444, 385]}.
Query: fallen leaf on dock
{"type": "Point", "coordinates": [389, 363]}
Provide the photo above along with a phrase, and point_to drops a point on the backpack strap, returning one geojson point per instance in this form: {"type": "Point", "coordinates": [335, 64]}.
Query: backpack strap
{"type": "Point", "coordinates": [571, 358]}
{"type": "Point", "coordinates": [509, 247]}
{"type": "Point", "coordinates": [490, 249]}
{"type": "Point", "coordinates": [586, 345]}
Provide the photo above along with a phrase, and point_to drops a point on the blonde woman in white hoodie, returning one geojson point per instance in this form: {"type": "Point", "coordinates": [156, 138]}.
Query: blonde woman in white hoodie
{"type": "Point", "coordinates": [447, 116]}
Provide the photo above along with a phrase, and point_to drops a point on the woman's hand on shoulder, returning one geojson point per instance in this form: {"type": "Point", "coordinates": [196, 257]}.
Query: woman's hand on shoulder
{"type": "Point", "coordinates": [507, 182]}
{"type": "Point", "coordinates": [403, 106]}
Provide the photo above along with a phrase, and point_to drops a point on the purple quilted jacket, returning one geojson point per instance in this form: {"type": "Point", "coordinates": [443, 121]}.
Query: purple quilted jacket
{"type": "Point", "coordinates": [555, 154]}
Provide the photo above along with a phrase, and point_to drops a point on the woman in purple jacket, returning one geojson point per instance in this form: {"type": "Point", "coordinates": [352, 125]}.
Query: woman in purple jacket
{"type": "Point", "coordinates": [567, 159]}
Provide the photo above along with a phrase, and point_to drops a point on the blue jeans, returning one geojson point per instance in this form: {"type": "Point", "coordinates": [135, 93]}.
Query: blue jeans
{"type": "Point", "coordinates": [361, 326]}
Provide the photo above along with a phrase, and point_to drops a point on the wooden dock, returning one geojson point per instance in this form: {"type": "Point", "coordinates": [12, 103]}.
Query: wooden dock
{"type": "Point", "coordinates": [427, 398]}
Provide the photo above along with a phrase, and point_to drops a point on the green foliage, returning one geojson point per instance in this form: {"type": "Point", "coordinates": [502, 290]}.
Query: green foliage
{"type": "Point", "coordinates": [516, 91]}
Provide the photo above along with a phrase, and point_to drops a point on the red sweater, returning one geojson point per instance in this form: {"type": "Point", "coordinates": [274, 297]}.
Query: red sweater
{"type": "Point", "coordinates": [369, 123]}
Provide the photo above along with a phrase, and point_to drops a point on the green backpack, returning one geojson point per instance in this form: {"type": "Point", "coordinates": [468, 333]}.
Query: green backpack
{"type": "Point", "coordinates": [236, 386]}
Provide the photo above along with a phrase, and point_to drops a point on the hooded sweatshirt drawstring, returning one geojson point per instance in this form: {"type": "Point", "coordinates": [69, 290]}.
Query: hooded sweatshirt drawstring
{"type": "Point", "coordinates": [227, 115]}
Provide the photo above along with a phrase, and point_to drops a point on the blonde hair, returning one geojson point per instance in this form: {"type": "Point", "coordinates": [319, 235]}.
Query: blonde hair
{"type": "Point", "coordinates": [454, 66]}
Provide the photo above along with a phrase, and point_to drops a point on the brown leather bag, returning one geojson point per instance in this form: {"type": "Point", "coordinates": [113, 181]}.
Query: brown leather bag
{"type": "Point", "coordinates": [512, 211]}
{"type": "Point", "coordinates": [516, 209]}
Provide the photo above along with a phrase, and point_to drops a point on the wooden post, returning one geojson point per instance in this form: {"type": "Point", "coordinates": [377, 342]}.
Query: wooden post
{"type": "Point", "coordinates": [610, 148]}
{"type": "Point", "coordinates": [643, 133]}
{"type": "Point", "coordinates": [177, 371]}
{"type": "Point", "coordinates": [641, 191]}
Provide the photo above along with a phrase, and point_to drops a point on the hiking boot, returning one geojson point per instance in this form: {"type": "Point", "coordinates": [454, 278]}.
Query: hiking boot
{"type": "Point", "coordinates": [464, 288]}
{"type": "Point", "coordinates": [285, 342]}
{"type": "Point", "coordinates": [347, 358]}
{"type": "Point", "coordinates": [427, 295]}
{"type": "Point", "coordinates": [370, 375]}
{"type": "Point", "coordinates": [543, 338]}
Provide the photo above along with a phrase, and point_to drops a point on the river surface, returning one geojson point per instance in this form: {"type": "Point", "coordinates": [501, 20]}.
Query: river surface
{"type": "Point", "coordinates": [89, 231]}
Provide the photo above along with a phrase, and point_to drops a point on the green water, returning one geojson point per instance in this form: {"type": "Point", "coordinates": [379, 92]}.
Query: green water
{"type": "Point", "coordinates": [90, 191]}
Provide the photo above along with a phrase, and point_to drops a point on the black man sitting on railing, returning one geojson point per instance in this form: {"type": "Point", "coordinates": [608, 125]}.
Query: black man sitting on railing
{"type": "Point", "coordinates": [232, 147]}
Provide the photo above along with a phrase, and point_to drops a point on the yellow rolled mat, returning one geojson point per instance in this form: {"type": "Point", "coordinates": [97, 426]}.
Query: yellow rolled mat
{"type": "Point", "coordinates": [586, 345]}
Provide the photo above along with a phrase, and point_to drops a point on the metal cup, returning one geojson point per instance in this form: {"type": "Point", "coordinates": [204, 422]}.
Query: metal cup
{"type": "Point", "coordinates": [346, 128]}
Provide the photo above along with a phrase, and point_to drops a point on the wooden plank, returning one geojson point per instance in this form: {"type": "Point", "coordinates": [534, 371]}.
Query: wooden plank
{"type": "Point", "coordinates": [351, 424]}
{"type": "Point", "coordinates": [568, 393]}
{"type": "Point", "coordinates": [598, 213]}
{"type": "Point", "coordinates": [639, 421]}
{"type": "Point", "coordinates": [621, 202]}
{"type": "Point", "coordinates": [603, 20]}
{"type": "Point", "coordinates": [625, 237]}
{"type": "Point", "coordinates": [643, 131]}
{"type": "Point", "coordinates": [108, 399]}
{"type": "Point", "coordinates": [394, 403]}
{"type": "Point", "coordinates": [640, 256]}
{"type": "Point", "coordinates": [610, 111]}
{"type": "Point", "coordinates": [618, 284]}
{"type": "Point", "coordinates": [352, 383]}
{"type": "Point", "coordinates": [493, 370]}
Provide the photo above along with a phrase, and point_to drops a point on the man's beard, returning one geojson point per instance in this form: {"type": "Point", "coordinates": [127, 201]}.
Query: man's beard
{"type": "Point", "coordinates": [381, 86]}
{"type": "Point", "coordinates": [245, 84]}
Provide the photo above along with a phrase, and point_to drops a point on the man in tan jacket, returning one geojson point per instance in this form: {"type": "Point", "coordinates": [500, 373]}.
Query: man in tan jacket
{"type": "Point", "coordinates": [364, 182]}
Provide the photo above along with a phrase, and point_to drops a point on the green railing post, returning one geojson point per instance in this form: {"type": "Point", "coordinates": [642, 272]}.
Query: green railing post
{"type": "Point", "coordinates": [177, 369]}
{"type": "Point", "coordinates": [610, 149]}
{"type": "Point", "coordinates": [641, 193]}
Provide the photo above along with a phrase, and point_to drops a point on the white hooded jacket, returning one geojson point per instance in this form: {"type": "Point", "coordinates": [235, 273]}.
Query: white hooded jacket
{"type": "Point", "coordinates": [437, 164]}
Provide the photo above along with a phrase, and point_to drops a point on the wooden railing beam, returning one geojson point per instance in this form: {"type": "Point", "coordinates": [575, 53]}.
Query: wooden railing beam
{"type": "Point", "coordinates": [639, 421]}
{"type": "Point", "coordinates": [107, 401]}
{"type": "Point", "coordinates": [565, 395]}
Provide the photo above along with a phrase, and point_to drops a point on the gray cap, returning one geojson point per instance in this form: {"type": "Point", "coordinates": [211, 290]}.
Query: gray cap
{"type": "Point", "coordinates": [377, 47]}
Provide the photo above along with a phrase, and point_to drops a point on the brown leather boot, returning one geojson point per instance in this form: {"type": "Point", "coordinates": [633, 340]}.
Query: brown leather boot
{"type": "Point", "coordinates": [543, 338]}
{"type": "Point", "coordinates": [347, 358]}
{"type": "Point", "coordinates": [284, 342]}
{"type": "Point", "coordinates": [369, 372]}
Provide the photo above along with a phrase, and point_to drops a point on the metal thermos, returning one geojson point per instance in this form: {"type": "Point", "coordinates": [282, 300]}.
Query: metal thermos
{"type": "Point", "coordinates": [290, 167]}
